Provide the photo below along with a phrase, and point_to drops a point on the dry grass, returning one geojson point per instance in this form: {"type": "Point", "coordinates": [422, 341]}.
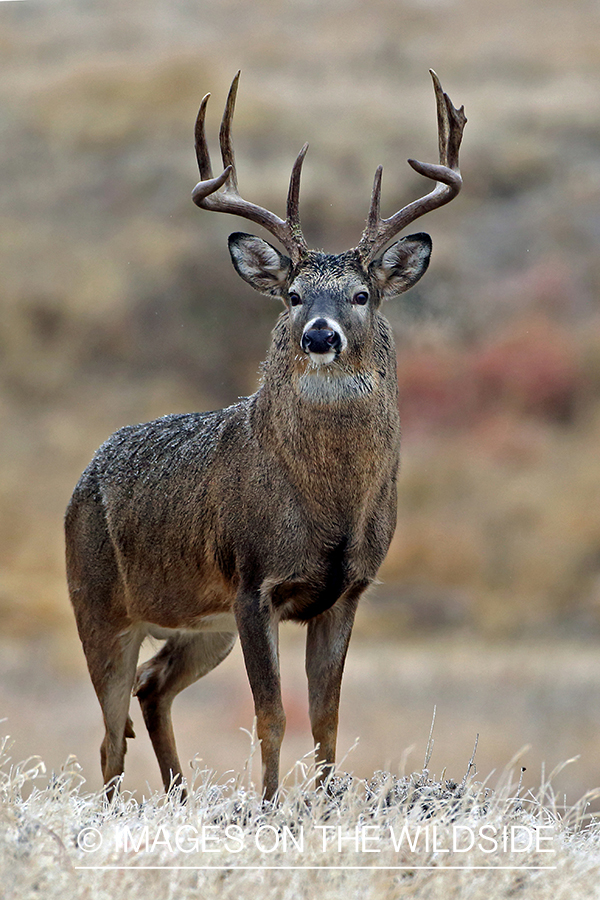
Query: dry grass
{"type": "Point", "coordinates": [389, 836]}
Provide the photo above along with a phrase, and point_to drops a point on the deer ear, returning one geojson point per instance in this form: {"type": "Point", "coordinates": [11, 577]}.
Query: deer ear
{"type": "Point", "coordinates": [402, 264]}
{"type": "Point", "coordinates": [257, 262]}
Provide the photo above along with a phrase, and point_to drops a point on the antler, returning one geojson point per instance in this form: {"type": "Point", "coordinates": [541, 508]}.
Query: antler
{"type": "Point", "coordinates": [451, 122]}
{"type": "Point", "coordinates": [208, 194]}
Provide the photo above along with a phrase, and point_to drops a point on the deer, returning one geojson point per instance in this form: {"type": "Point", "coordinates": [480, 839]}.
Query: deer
{"type": "Point", "coordinates": [194, 528]}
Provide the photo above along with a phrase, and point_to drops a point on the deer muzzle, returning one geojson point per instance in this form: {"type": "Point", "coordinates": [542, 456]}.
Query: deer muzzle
{"type": "Point", "coordinates": [322, 340]}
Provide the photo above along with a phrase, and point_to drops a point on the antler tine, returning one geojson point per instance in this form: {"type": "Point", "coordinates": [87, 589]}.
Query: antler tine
{"type": "Point", "coordinates": [207, 193]}
{"type": "Point", "coordinates": [293, 201]}
{"type": "Point", "coordinates": [202, 154]}
{"type": "Point", "coordinates": [443, 120]}
{"type": "Point", "coordinates": [225, 141]}
{"type": "Point", "coordinates": [451, 122]}
{"type": "Point", "coordinates": [374, 214]}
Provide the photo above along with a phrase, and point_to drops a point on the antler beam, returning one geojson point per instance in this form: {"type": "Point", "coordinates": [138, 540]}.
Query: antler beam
{"type": "Point", "coordinates": [451, 122]}
{"type": "Point", "coordinates": [221, 194]}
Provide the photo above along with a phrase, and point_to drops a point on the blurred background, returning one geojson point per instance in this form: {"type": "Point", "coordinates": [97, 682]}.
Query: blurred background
{"type": "Point", "coordinates": [119, 303]}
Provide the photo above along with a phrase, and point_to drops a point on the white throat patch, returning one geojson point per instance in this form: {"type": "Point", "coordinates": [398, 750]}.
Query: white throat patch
{"type": "Point", "coordinates": [324, 384]}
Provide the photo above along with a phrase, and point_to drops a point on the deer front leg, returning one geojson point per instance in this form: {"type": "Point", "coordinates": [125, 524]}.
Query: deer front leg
{"type": "Point", "coordinates": [326, 647]}
{"type": "Point", "coordinates": [258, 638]}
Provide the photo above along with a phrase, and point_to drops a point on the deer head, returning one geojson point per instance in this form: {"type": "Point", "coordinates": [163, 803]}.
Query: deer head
{"type": "Point", "coordinates": [331, 299]}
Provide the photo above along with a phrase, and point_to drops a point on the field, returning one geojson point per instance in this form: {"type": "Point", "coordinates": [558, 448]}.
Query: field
{"type": "Point", "coordinates": [498, 697]}
{"type": "Point", "coordinates": [119, 304]}
{"type": "Point", "coordinates": [389, 836]}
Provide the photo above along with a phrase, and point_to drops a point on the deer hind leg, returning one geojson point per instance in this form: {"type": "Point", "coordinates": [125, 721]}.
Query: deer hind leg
{"type": "Point", "coordinates": [114, 694]}
{"type": "Point", "coordinates": [110, 644]}
{"type": "Point", "coordinates": [112, 659]}
{"type": "Point", "coordinates": [181, 661]}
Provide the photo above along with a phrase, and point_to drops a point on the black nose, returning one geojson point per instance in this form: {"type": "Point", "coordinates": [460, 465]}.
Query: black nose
{"type": "Point", "coordinates": [320, 338]}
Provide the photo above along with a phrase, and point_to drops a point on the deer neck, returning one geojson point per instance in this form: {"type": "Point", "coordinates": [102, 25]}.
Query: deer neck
{"type": "Point", "coordinates": [339, 423]}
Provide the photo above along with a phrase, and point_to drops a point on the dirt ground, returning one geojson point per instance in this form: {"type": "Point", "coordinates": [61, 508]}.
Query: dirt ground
{"type": "Point", "coordinates": [545, 695]}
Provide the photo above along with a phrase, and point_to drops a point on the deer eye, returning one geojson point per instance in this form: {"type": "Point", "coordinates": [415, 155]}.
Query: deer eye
{"type": "Point", "coordinates": [360, 298]}
{"type": "Point", "coordinates": [295, 298]}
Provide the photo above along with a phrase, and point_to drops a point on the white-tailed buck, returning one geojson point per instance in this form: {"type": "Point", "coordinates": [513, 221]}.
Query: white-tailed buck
{"type": "Point", "coordinates": [195, 527]}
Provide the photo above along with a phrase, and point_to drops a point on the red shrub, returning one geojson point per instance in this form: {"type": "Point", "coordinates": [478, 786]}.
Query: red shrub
{"type": "Point", "coordinates": [532, 369]}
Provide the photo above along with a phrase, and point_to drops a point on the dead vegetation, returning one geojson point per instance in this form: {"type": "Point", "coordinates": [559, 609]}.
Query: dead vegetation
{"type": "Point", "coordinates": [416, 834]}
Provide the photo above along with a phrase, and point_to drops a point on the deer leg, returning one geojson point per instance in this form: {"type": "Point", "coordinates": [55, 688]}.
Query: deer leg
{"type": "Point", "coordinates": [181, 661]}
{"type": "Point", "coordinates": [258, 637]}
{"type": "Point", "coordinates": [110, 644]}
{"type": "Point", "coordinates": [112, 671]}
{"type": "Point", "coordinates": [327, 642]}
